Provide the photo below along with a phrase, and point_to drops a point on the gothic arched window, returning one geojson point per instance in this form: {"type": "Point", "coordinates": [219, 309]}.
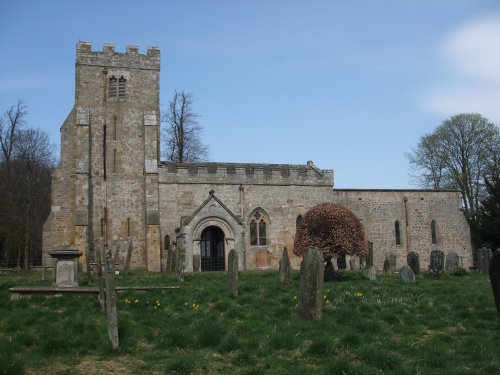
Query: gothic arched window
{"type": "Point", "coordinates": [258, 228]}
{"type": "Point", "coordinates": [397, 232]}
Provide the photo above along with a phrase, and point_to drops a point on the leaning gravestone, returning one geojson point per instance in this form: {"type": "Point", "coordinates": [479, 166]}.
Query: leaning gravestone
{"type": "Point", "coordinates": [387, 266]}
{"type": "Point", "coordinates": [311, 285]}
{"type": "Point", "coordinates": [232, 273]}
{"type": "Point", "coordinates": [406, 275]}
{"type": "Point", "coordinates": [413, 261]}
{"type": "Point", "coordinates": [329, 270]}
{"type": "Point", "coordinates": [483, 259]}
{"type": "Point", "coordinates": [495, 277]}
{"type": "Point", "coordinates": [451, 260]}
{"type": "Point", "coordinates": [437, 263]}
{"type": "Point", "coordinates": [369, 273]}
{"type": "Point", "coordinates": [284, 269]}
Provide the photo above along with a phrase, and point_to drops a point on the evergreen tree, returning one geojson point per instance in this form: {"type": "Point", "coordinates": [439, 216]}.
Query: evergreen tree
{"type": "Point", "coordinates": [489, 217]}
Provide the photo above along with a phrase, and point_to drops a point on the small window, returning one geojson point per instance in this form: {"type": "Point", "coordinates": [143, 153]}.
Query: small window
{"type": "Point", "coordinates": [398, 233]}
{"type": "Point", "coordinates": [433, 232]}
{"type": "Point", "coordinates": [298, 221]}
{"type": "Point", "coordinates": [167, 242]}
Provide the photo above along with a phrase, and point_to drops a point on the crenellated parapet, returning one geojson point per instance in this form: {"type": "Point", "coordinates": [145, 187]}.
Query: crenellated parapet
{"type": "Point", "coordinates": [132, 58]}
{"type": "Point", "coordinates": [244, 173]}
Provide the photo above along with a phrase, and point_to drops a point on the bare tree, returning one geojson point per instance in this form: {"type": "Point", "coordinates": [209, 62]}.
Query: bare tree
{"type": "Point", "coordinates": [458, 155]}
{"type": "Point", "coordinates": [181, 139]}
{"type": "Point", "coordinates": [26, 165]}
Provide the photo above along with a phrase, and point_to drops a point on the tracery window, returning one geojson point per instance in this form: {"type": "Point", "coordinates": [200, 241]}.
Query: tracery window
{"type": "Point", "coordinates": [258, 228]}
{"type": "Point", "coordinates": [397, 232]}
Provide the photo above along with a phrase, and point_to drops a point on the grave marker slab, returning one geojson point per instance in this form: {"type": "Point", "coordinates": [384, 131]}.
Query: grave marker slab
{"type": "Point", "coordinates": [413, 260]}
{"type": "Point", "coordinates": [312, 271]}
{"type": "Point", "coordinates": [284, 269]}
{"type": "Point", "coordinates": [232, 273]}
{"type": "Point", "coordinates": [495, 277]}
{"type": "Point", "coordinates": [406, 275]}
{"type": "Point", "coordinates": [437, 263]}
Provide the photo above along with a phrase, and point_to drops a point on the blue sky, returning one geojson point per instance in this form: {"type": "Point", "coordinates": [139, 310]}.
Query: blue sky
{"type": "Point", "coordinates": [351, 85]}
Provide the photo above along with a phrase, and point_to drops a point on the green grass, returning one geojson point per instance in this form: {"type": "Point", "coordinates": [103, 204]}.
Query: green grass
{"type": "Point", "coordinates": [443, 326]}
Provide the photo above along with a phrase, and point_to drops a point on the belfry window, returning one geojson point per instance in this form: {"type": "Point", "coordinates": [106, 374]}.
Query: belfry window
{"type": "Point", "coordinates": [397, 232]}
{"type": "Point", "coordinates": [121, 87]}
{"type": "Point", "coordinates": [117, 87]}
{"type": "Point", "coordinates": [258, 235]}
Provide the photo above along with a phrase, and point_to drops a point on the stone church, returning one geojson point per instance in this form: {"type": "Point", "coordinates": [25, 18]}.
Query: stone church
{"type": "Point", "coordinates": [110, 186]}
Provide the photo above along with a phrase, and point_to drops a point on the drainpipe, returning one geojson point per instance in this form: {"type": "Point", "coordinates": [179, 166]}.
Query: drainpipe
{"type": "Point", "coordinates": [405, 200]}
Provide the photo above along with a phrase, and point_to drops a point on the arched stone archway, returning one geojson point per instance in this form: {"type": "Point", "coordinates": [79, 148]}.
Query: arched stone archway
{"type": "Point", "coordinates": [209, 253]}
{"type": "Point", "coordinates": [212, 249]}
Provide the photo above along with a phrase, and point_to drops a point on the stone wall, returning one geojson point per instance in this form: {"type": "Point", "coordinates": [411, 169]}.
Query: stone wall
{"type": "Point", "coordinates": [282, 198]}
{"type": "Point", "coordinates": [379, 210]}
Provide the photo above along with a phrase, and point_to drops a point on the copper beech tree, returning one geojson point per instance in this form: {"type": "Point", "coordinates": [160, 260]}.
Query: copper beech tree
{"type": "Point", "coordinates": [333, 229]}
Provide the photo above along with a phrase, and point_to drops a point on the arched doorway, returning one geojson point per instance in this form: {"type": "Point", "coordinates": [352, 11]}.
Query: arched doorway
{"type": "Point", "coordinates": [212, 249]}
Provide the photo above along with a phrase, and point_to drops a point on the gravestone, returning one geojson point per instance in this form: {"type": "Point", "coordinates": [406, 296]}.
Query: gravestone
{"type": "Point", "coordinates": [312, 271]}
{"type": "Point", "coordinates": [232, 273]}
{"type": "Point", "coordinates": [406, 275]}
{"type": "Point", "coordinates": [180, 266]}
{"type": "Point", "coordinates": [369, 273]}
{"type": "Point", "coordinates": [393, 260]}
{"type": "Point", "coordinates": [284, 269]}
{"type": "Point", "coordinates": [329, 271]}
{"type": "Point", "coordinates": [451, 260]}
{"type": "Point", "coordinates": [369, 259]}
{"type": "Point", "coordinates": [413, 260]}
{"type": "Point", "coordinates": [387, 266]}
{"type": "Point", "coordinates": [111, 310]}
{"type": "Point", "coordinates": [437, 263]}
{"type": "Point", "coordinates": [495, 277]}
{"type": "Point", "coordinates": [65, 267]}
{"type": "Point", "coordinates": [352, 263]}
{"type": "Point", "coordinates": [483, 260]}
{"type": "Point", "coordinates": [362, 262]}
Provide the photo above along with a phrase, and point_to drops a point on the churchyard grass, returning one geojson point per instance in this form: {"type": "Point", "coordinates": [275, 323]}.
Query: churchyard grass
{"type": "Point", "coordinates": [447, 325]}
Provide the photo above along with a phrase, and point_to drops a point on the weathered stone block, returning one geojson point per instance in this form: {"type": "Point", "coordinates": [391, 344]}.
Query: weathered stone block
{"type": "Point", "coordinates": [451, 260]}
{"type": "Point", "coordinates": [406, 275]}
{"type": "Point", "coordinates": [369, 273]}
{"type": "Point", "coordinates": [232, 273]}
{"type": "Point", "coordinates": [437, 263]}
{"type": "Point", "coordinates": [483, 260]}
{"type": "Point", "coordinates": [413, 261]}
{"type": "Point", "coordinates": [311, 285]}
{"type": "Point", "coordinates": [284, 269]}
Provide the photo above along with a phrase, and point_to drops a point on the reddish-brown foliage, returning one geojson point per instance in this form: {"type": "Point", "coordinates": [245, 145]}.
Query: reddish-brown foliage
{"type": "Point", "coordinates": [332, 228]}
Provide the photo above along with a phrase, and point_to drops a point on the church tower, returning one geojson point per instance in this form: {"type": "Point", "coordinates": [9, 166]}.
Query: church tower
{"type": "Point", "coordinates": [105, 189]}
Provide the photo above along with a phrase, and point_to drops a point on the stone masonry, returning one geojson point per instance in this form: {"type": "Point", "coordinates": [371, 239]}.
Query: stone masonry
{"type": "Point", "coordinates": [110, 186]}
